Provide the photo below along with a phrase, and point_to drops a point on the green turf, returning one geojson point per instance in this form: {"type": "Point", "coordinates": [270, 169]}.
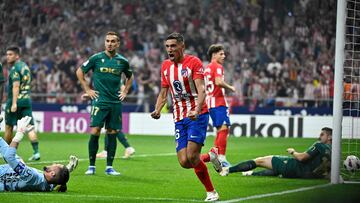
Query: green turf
{"type": "Point", "coordinates": [154, 174]}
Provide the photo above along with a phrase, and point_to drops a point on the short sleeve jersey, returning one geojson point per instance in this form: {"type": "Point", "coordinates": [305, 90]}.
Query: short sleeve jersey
{"type": "Point", "coordinates": [320, 160]}
{"type": "Point", "coordinates": [179, 78]}
{"type": "Point", "coordinates": [215, 95]}
{"type": "Point", "coordinates": [107, 75]}
{"type": "Point", "coordinates": [20, 72]}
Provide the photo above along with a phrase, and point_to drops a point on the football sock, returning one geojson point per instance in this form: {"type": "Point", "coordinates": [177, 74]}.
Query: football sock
{"type": "Point", "coordinates": [205, 157]}
{"type": "Point", "coordinates": [221, 140]}
{"type": "Point", "coordinates": [122, 139]}
{"type": "Point", "coordinates": [35, 146]}
{"type": "Point", "coordinates": [106, 142]}
{"type": "Point", "coordinates": [203, 175]}
{"type": "Point", "coordinates": [243, 166]}
{"type": "Point", "coordinates": [111, 149]}
{"type": "Point", "coordinates": [266, 172]}
{"type": "Point", "coordinates": [93, 148]}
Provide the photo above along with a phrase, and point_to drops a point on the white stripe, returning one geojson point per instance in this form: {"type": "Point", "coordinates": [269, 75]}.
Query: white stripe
{"type": "Point", "coordinates": [98, 196]}
{"type": "Point", "coordinates": [213, 102]}
{"type": "Point", "coordinates": [86, 159]}
{"type": "Point", "coordinates": [275, 193]}
{"type": "Point", "coordinates": [181, 79]}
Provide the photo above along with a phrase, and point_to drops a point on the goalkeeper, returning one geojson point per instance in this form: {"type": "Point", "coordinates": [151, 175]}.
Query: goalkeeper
{"type": "Point", "coordinates": [314, 163]}
{"type": "Point", "coordinates": [16, 176]}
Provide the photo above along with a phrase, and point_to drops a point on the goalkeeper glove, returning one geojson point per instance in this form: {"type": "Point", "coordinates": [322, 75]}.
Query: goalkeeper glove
{"type": "Point", "coordinates": [23, 127]}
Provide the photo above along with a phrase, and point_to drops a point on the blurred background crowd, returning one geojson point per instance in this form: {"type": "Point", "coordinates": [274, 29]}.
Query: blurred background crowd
{"type": "Point", "coordinates": [279, 52]}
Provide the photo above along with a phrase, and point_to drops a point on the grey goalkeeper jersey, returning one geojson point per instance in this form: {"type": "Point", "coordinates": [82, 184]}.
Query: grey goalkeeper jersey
{"type": "Point", "coordinates": [16, 176]}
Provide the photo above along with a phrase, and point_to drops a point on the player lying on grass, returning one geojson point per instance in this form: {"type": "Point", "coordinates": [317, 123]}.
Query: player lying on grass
{"type": "Point", "coordinates": [16, 176]}
{"type": "Point", "coordinates": [314, 163]}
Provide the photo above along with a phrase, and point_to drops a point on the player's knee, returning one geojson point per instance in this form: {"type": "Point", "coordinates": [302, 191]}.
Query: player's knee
{"type": "Point", "coordinates": [193, 158]}
{"type": "Point", "coordinates": [184, 162]}
{"type": "Point", "coordinates": [95, 131]}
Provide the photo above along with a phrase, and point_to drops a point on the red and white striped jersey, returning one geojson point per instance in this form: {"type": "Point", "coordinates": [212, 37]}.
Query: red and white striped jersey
{"type": "Point", "coordinates": [215, 95]}
{"type": "Point", "coordinates": [179, 78]}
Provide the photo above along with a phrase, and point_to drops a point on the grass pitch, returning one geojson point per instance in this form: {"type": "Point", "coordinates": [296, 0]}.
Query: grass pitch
{"type": "Point", "coordinates": [154, 175]}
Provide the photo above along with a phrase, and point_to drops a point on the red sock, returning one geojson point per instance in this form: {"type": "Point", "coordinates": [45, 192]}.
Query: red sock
{"type": "Point", "coordinates": [221, 140]}
{"type": "Point", "coordinates": [205, 157]}
{"type": "Point", "coordinates": [203, 175]}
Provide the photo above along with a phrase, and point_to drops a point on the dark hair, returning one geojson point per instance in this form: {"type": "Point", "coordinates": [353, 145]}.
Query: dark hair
{"type": "Point", "coordinates": [15, 49]}
{"type": "Point", "coordinates": [327, 130]}
{"type": "Point", "coordinates": [177, 36]}
{"type": "Point", "coordinates": [114, 33]}
{"type": "Point", "coordinates": [214, 48]}
{"type": "Point", "coordinates": [62, 177]}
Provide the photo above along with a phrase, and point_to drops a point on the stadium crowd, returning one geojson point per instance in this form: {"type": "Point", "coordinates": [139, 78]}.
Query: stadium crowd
{"type": "Point", "coordinates": [275, 48]}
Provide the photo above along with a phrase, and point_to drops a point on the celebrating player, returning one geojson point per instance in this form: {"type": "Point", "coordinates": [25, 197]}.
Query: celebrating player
{"type": "Point", "coordinates": [18, 103]}
{"type": "Point", "coordinates": [215, 98]}
{"type": "Point", "coordinates": [16, 176]}
{"type": "Point", "coordinates": [183, 75]}
{"type": "Point", "coordinates": [107, 67]}
{"type": "Point", "coordinates": [314, 163]}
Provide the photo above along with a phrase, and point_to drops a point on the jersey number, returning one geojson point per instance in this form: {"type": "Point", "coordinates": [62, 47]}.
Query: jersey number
{"type": "Point", "coordinates": [209, 84]}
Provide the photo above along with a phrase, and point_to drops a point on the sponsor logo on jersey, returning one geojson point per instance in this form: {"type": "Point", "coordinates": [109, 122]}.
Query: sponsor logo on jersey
{"type": "Point", "coordinates": [177, 86]}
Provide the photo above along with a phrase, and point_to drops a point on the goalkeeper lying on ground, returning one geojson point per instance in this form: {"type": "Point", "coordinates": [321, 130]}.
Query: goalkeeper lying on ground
{"type": "Point", "coordinates": [16, 176]}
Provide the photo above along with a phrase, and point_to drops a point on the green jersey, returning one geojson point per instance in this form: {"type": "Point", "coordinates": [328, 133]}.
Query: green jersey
{"type": "Point", "coordinates": [319, 163]}
{"type": "Point", "coordinates": [2, 79]}
{"type": "Point", "coordinates": [107, 75]}
{"type": "Point", "coordinates": [20, 72]}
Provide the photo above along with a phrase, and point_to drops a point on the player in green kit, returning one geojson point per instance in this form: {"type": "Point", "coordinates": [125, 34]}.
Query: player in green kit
{"type": "Point", "coordinates": [18, 103]}
{"type": "Point", "coordinates": [107, 67]}
{"type": "Point", "coordinates": [313, 163]}
{"type": "Point", "coordinates": [2, 81]}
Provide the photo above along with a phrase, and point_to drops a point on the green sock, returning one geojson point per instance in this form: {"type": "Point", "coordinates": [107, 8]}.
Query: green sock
{"type": "Point", "coordinates": [106, 142]}
{"type": "Point", "coordinates": [35, 146]}
{"type": "Point", "coordinates": [111, 149]}
{"type": "Point", "coordinates": [93, 148]}
{"type": "Point", "coordinates": [122, 139]}
{"type": "Point", "coordinates": [243, 166]}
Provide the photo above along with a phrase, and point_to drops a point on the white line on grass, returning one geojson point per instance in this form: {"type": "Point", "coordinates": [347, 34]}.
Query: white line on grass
{"type": "Point", "coordinates": [86, 159]}
{"type": "Point", "coordinates": [275, 193]}
{"type": "Point", "coordinates": [99, 196]}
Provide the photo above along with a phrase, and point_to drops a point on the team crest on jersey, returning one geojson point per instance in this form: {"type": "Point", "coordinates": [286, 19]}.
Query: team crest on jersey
{"type": "Point", "coordinates": [103, 60]}
{"type": "Point", "coordinates": [184, 73]}
{"type": "Point", "coordinates": [177, 86]}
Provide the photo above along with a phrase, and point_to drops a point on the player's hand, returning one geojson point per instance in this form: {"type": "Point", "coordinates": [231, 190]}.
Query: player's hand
{"type": "Point", "coordinates": [23, 127]}
{"type": "Point", "coordinates": [92, 94]}
{"type": "Point", "coordinates": [155, 114]}
{"type": "Point", "coordinates": [122, 95]}
{"type": "Point", "coordinates": [193, 115]}
{"type": "Point", "coordinates": [13, 108]}
{"type": "Point", "coordinates": [290, 150]}
{"type": "Point", "coordinates": [85, 97]}
{"type": "Point", "coordinates": [232, 88]}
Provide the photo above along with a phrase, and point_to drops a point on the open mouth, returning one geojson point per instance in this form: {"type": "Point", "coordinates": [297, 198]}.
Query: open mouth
{"type": "Point", "coordinates": [171, 56]}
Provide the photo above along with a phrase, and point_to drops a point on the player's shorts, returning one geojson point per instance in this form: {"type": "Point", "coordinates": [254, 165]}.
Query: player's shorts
{"type": "Point", "coordinates": [220, 116]}
{"type": "Point", "coordinates": [285, 166]}
{"type": "Point", "coordinates": [189, 130]}
{"type": "Point", "coordinates": [11, 118]}
{"type": "Point", "coordinates": [106, 114]}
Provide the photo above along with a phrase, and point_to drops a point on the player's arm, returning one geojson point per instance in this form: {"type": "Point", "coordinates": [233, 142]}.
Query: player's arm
{"type": "Point", "coordinates": [124, 89]}
{"type": "Point", "coordinates": [81, 77]}
{"type": "Point", "coordinates": [200, 86]}
{"type": "Point", "coordinates": [221, 83]}
{"type": "Point", "coordinates": [160, 102]}
{"type": "Point", "coordinates": [9, 152]}
{"type": "Point", "coordinates": [300, 156]}
{"type": "Point", "coordinates": [15, 92]}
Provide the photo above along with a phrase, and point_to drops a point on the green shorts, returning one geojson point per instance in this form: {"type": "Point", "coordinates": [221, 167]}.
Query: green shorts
{"type": "Point", "coordinates": [11, 118]}
{"type": "Point", "coordinates": [108, 114]}
{"type": "Point", "coordinates": [286, 166]}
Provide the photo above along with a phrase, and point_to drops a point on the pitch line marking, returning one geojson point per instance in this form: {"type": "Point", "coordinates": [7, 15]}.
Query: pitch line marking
{"type": "Point", "coordinates": [86, 159]}
{"type": "Point", "coordinates": [275, 193]}
{"type": "Point", "coordinates": [99, 196]}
